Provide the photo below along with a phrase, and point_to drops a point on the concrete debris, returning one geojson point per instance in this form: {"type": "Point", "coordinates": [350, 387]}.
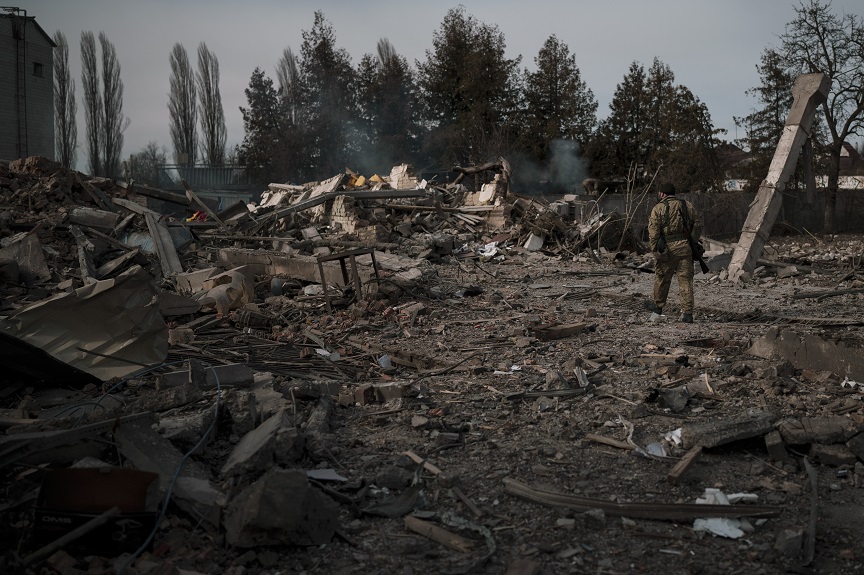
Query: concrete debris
{"type": "Point", "coordinates": [369, 353]}
{"type": "Point", "coordinates": [280, 508]}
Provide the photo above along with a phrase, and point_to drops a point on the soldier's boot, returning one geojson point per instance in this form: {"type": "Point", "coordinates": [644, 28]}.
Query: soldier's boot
{"type": "Point", "coordinates": [653, 307]}
{"type": "Point", "coordinates": [687, 317]}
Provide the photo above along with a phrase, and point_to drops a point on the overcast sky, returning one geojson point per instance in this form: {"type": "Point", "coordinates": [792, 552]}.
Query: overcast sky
{"type": "Point", "coordinates": [712, 46]}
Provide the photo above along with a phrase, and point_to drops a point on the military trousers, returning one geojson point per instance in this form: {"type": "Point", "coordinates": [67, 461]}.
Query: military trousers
{"type": "Point", "coordinates": [677, 260]}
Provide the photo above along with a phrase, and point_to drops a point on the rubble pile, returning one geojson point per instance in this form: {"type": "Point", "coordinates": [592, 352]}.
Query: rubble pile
{"type": "Point", "coordinates": [382, 374]}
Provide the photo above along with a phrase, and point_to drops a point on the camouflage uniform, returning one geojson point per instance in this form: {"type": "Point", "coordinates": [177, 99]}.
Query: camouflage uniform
{"type": "Point", "coordinates": [666, 221]}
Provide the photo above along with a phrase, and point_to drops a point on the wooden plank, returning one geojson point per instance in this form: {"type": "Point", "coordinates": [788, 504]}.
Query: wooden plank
{"type": "Point", "coordinates": [98, 195]}
{"type": "Point", "coordinates": [609, 441]}
{"type": "Point", "coordinates": [108, 268]}
{"type": "Point", "coordinates": [133, 207]}
{"type": "Point", "coordinates": [193, 197]}
{"type": "Point", "coordinates": [168, 259]}
{"type": "Point", "coordinates": [439, 535]}
{"type": "Point", "coordinates": [85, 247]}
{"type": "Point", "coordinates": [417, 459]}
{"type": "Point", "coordinates": [682, 466]}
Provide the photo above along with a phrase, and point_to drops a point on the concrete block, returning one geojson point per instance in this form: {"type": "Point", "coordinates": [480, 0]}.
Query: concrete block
{"type": "Point", "coordinates": [834, 455]}
{"type": "Point", "coordinates": [281, 508]}
{"type": "Point", "coordinates": [200, 499]}
{"type": "Point", "coordinates": [534, 242]}
{"type": "Point", "coordinates": [364, 394]}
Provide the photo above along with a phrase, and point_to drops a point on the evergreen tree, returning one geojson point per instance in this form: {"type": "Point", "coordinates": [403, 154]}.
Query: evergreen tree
{"type": "Point", "coordinates": [764, 126]}
{"type": "Point", "coordinates": [261, 127]}
{"type": "Point", "coordinates": [656, 125]}
{"type": "Point", "coordinates": [619, 142]}
{"type": "Point", "coordinates": [559, 103]}
{"type": "Point", "coordinates": [329, 100]}
{"type": "Point", "coordinates": [388, 109]}
{"type": "Point", "coordinates": [470, 92]}
{"type": "Point", "coordinates": [560, 114]}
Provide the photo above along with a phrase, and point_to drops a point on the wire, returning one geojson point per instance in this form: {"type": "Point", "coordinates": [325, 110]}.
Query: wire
{"type": "Point", "coordinates": [170, 490]}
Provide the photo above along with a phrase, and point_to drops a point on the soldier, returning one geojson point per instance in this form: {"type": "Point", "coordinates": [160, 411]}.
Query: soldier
{"type": "Point", "coordinates": [672, 254]}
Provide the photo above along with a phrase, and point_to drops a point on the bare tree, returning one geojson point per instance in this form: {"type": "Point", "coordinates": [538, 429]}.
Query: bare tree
{"type": "Point", "coordinates": [66, 130]}
{"type": "Point", "coordinates": [114, 123]}
{"type": "Point", "coordinates": [212, 115]}
{"type": "Point", "coordinates": [92, 101]}
{"type": "Point", "coordinates": [144, 166]}
{"type": "Point", "coordinates": [183, 107]}
{"type": "Point", "coordinates": [819, 40]}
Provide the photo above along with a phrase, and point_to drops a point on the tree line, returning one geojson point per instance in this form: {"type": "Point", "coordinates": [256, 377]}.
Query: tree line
{"type": "Point", "coordinates": [467, 103]}
{"type": "Point", "coordinates": [193, 95]}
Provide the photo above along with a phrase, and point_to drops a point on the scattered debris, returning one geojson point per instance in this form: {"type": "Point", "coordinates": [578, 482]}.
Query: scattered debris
{"type": "Point", "coordinates": [330, 378]}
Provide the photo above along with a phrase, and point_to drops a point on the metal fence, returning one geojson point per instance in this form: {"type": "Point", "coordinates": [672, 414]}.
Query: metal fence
{"type": "Point", "coordinates": [226, 177]}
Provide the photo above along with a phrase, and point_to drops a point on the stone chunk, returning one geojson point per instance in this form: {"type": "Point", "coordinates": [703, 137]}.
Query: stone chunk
{"type": "Point", "coordinates": [281, 508]}
{"type": "Point", "coordinates": [856, 445]}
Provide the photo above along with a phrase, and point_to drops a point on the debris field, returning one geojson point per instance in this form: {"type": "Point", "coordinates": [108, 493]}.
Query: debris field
{"type": "Point", "coordinates": [386, 375]}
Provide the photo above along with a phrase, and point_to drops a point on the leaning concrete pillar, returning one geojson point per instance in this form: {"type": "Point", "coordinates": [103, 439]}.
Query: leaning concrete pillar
{"type": "Point", "coordinates": [809, 91]}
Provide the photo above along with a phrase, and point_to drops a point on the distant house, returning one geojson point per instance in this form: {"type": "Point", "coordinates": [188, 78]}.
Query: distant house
{"type": "Point", "coordinates": [851, 163]}
{"type": "Point", "coordinates": [26, 88]}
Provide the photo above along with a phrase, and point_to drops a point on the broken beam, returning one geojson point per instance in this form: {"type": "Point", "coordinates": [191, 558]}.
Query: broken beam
{"type": "Point", "coordinates": [668, 511]}
{"type": "Point", "coordinates": [808, 91]}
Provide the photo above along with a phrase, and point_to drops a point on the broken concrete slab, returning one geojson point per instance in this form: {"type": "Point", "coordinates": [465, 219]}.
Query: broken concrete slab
{"type": "Point", "coordinates": [274, 441]}
{"type": "Point", "coordinates": [298, 266]}
{"type": "Point", "coordinates": [168, 258]}
{"type": "Point", "coordinates": [808, 91]}
{"type": "Point", "coordinates": [189, 283]}
{"type": "Point", "coordinates": [827, 430]}
{"type": "Point", "coordinates": [751, 423]}
{"type": "Point", "coordinates": [147, 450]}
{"type": "Point", "coordinates": [26, 249]}
{"type": "Point", "coordinates": [93, 218]}
{"type": "Point", "coordinates": [281, 508]}
{"type": "Point", "coordinates": [809, 351]}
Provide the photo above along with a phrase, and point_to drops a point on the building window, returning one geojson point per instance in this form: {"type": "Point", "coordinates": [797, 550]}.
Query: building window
{"type": "Point", "coordinates": [37, 69]}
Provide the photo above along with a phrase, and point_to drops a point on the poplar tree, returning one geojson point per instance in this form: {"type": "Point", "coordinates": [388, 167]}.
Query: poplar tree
{"type": "Point", "coordinates": [183, 107]}
{"type": "Point", "coordinates": [65, 127]}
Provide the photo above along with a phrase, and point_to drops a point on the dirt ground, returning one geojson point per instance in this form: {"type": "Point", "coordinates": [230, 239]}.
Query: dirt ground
{"type": "Point", "coordinates": [495, 402]}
